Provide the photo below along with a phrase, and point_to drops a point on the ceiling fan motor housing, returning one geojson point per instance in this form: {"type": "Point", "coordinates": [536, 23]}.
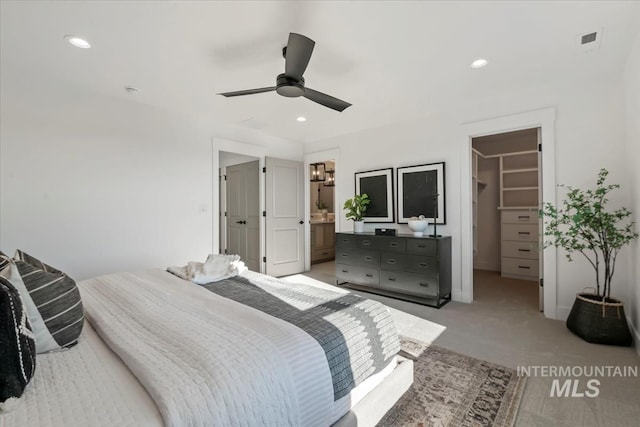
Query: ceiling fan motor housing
{"type": "Point", "coordinates": [291, 88]}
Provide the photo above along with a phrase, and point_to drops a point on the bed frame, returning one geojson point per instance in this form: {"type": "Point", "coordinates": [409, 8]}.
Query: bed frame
{"type": "Point", "coordinates": [375, 405]}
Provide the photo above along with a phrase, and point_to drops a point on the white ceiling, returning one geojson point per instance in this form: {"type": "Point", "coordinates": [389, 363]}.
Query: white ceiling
{"type": "Point", "coordinates": [392, 60]}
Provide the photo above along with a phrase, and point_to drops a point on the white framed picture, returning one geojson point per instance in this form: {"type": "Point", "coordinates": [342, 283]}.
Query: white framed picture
{"type": "Point", "coordinates": [421, 191]}
{"type": "Point", "coordinates": [378, 185]}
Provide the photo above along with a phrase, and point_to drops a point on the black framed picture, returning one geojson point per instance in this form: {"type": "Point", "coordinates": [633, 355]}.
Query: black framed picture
{"type": "Point", "coordinates": [421, 191]}
{"type": "Point", "coordinates": [378, 185]}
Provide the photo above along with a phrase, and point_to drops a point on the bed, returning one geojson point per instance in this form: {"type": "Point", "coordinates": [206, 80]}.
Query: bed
{"type": "Point", "coordinates": [158, 350]}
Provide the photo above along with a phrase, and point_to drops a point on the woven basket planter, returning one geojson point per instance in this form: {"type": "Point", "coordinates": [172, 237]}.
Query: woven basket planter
{"type": "Point", "coordinates": [598, 321]}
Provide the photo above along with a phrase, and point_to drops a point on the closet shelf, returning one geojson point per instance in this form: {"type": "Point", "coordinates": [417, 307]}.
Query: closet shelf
{"type": "Point", "coordinates": [531, 208]}
{"type": "Point", "coordinates": [519, 188]}
{"type": "Point", "coordinates": [520, 170]}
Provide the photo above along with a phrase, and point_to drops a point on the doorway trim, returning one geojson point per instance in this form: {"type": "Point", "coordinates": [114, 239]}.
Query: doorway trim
{"type": "Point", "coordinates": [319, 156]}
{"type": "Point", "coordinates": [218, 145]}
{"type": "Point", "coordinates": [545, 120]}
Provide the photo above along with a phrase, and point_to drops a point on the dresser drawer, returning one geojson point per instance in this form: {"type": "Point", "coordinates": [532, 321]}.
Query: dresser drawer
{"type": "Point", "coordinates": [520, 267]}
{"type": "Point", "coordinates": [525, 232]}
{"type": "Point", "coordinates": [345, 241]}
{"type": "Point", "coordinates": [520, 217]}
{"type": "Point", "coordinates": [390, 243]}
{"type": "Point", "coordinates": [356, 274]}
{"type": "Point", "coordinates": [422, 247]}
{"type": "Point", "coordinates": [365, 258]}
{"type": "Point", "coordinates": [528, 250]}
{"type": "Point", "coordinates": [322, 253]}
{"type": "Point", "coordinates": [408, 283]}
{"type": "Point", "coordinates": [411, 263]}
{"type": "Point", "coordinates": [366, 242]}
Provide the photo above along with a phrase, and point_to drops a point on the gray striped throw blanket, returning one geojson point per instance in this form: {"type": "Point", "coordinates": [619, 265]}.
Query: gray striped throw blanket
{"type": "Point", "coordinates": [358, 335]}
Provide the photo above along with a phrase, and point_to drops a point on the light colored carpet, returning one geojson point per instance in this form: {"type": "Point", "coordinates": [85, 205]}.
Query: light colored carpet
{"type": "Point", "coordinates": [503, 326]}
{"type": "Point", "coordinates": [450, 389]}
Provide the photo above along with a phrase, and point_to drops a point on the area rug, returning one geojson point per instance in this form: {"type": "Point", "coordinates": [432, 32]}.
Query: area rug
{"type": "Point", "coordinates": [451, 389]}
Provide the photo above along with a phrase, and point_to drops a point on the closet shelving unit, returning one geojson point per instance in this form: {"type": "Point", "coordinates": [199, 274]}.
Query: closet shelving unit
{"type": "Point", "coordinates": [519, 205]}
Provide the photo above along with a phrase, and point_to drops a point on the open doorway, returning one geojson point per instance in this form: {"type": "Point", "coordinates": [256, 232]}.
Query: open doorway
{"type": "Point", "coordinates": [506, 175]}
{"type": "Point", "coordinates": [322, 210]}
{"type": "Point", "coordinates": [240, 219]}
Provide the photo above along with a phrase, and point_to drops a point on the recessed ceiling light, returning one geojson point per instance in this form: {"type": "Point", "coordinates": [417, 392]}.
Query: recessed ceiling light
{"type": "Point", "coordinates": [301, 119]}
{"type": "Point", "coordinates": [479, 63]}
{"type": "Point", "coordinates": [78, 42]}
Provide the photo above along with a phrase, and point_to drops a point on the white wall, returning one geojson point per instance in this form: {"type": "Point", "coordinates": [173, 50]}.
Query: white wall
{"type": "Point", "coordinates": [589, 134]}
{"type": "Point", "coordinates": [632, 104]}
{"type": "Point", "coordinates": [112, 188]}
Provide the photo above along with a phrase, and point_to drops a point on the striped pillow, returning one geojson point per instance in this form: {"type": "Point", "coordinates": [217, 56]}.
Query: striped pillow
{"type": "Point", "coordinates": [57, 299]}
{"type": "Point", "coordinates": [17, 345]}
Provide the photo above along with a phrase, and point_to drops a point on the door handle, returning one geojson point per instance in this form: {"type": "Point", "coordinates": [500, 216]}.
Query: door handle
{"type": "Point", "coordinates": [241, 222]}
{"type": "Point", "coordinates": [301, 222]}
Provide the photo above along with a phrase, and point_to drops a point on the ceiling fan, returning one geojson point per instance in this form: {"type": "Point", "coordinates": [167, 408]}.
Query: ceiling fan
{"type": "Point", "coordinates": [296, 53]}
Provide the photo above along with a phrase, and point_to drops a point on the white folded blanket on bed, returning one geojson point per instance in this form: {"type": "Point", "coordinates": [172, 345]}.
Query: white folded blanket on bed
{"type": "Point", "coordinates": [217, 267]}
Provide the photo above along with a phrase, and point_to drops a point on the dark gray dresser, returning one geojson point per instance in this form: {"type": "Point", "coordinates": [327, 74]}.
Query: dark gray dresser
{"type": "Point", "coordinates": [412, 268]}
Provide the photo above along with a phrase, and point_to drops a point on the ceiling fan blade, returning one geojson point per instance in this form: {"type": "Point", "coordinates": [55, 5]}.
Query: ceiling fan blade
{"type": "Point", "coordinates": [326, 100]}
{"type": "Point", "coordinates": [299, 49]}
{"type": "Point", "coordinates": [248, 91]}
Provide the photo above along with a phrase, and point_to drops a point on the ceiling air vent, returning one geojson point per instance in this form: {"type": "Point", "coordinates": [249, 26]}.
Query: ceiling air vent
{"type": "Point", "coordinates": [590, 40]}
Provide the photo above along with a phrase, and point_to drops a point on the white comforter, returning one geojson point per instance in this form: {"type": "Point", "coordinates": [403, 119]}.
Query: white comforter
{"type": "Point", "coordinates": [207, 360]}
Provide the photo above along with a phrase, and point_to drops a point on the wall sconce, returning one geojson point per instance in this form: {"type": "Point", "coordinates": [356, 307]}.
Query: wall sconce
{"type": "Point", "coordinates": [330, 178]}
{"type": "Point", "coordinates": [317, 172]}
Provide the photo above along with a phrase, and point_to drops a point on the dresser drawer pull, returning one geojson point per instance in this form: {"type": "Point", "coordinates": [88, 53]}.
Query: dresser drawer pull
{"type": "Point", "coordinates": [393, 244]}
{"type": "Point", "coordinates": [391, 261]}
{"type": "Point", "coordinates": [392, 279]}
{"type": "Point", "coordinates": [344, 255]}
{"type": "Point", "coordinates": [422, 246]}
{"type": "Point", "coordinates": [424, 284]}
{"type": "Point", "coordinates": [524, 250]}
{"type": "Point", "coordinates": [524, 217]}
{"type": "Point", "coordinates": [369, 275]}
{"type": "Point", "coordinates": [423, 264]}
{"type": "Point", "coordinates": [345, 240]}
{"type": "Point", "coordinates": [524, 232]}
{"type": "Point", "coordinates": [345, 271]}
{"type": "Point", "coordinates": [368, 258]}
{"type": "Point", "coordinates": [526, 267]}
{"type": "Point", "coordinates": [366, 242]}
{"type": "Point", "coordinates": [325, 253]}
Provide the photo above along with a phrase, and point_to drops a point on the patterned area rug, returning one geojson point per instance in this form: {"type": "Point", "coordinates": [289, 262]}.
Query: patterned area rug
{"type": "Point", "coordinates": [450, 389]}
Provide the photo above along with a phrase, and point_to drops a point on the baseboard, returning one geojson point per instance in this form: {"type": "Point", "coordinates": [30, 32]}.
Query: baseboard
{"type": "Point", "coordinates": [563, 313]}
{"type": "Point", "coordinates": [636, 336]}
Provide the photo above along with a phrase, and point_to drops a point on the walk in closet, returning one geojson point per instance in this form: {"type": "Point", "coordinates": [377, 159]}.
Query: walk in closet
{"type": "Point", "coordinates": [506, 199]}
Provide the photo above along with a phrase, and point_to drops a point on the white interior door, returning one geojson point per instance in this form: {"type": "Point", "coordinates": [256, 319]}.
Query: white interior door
{"type": "Point", "coordinates": [243, 213]}
{"type": "Point", "coordinates": [284, 193]}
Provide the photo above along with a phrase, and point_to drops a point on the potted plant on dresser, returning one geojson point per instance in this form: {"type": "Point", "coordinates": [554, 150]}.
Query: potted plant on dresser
{"type": "Point", "coordinates": [585, 225]}
{"type": "Point", "coordinates": [356, 208]}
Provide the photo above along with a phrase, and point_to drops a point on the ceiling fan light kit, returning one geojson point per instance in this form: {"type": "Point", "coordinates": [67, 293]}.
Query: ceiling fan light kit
{"type": "Point", "coordinates": [290, 84]}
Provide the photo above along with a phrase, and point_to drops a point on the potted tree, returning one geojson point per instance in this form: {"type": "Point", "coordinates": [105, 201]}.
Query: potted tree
{"type": "Point", "coordinates": [584, 225]}
{"type": "Point", "coordinates": [356, 207]}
